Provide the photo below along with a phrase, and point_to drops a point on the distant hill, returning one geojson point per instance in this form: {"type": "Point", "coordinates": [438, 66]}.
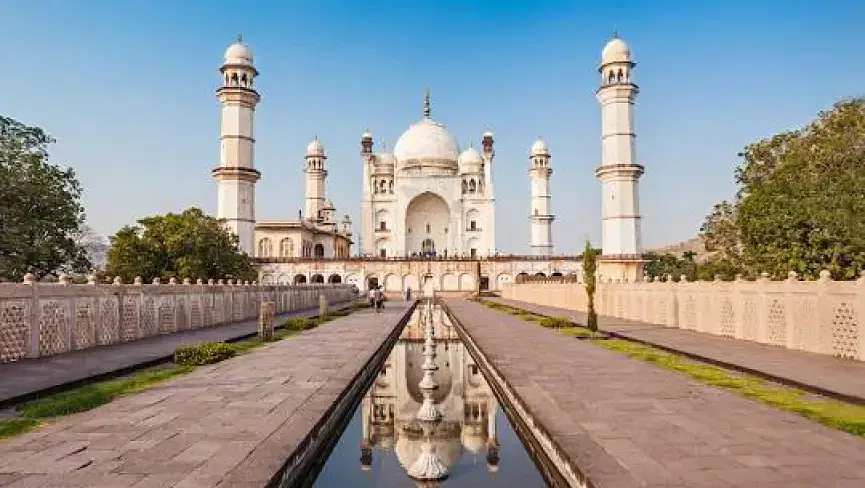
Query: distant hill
{"type": "Point", "coordinates": [695, 245]}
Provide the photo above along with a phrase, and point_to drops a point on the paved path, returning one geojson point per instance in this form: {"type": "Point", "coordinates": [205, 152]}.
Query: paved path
{"type": "Point", "coordinates": [230, 424]}
{"type": "Point", "coordinates": [627, 423]}
{"type": "Point", "coordinates": [818, 372]}
{"type": "Point", "coordinates": [28, 376]}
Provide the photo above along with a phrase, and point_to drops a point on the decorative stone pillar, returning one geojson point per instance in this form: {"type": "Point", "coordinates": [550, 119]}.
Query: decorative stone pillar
{"type": "Point", "coordinates": [322, 305]}
{"type": "Point", "coordinates": [265, 321]}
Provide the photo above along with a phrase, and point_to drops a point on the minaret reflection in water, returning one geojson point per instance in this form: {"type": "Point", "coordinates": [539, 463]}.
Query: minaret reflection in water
{"type": "Point", "coordinates": [429, 419]}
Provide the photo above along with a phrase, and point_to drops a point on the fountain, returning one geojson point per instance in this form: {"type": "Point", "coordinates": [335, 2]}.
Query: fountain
{"type": "Point", "coordinates": [428, 466]}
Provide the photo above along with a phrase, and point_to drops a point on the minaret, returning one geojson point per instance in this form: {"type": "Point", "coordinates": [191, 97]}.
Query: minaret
{"type": "Point", "coordinates": [619, 172]}
{"type": "Point", "coordinates": [367, 242]}
{"type": "Point", "coordinates": [236, 175]}
{"type": "Point", "coordinates": [541, 220]}
{"type": "Point", "coordinates": [489, 154]}
{"type": "Point", "coordinates": [315, 176]}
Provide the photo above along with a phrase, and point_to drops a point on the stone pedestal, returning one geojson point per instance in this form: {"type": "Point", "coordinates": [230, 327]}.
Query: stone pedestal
{"type": "Point", "coordinates": [322, 305]}
{"type": "Point", "coordinates": [265, 321]}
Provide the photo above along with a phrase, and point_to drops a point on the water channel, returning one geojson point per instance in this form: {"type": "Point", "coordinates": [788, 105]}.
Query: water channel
{"type": "Point", "coordinates": [429, 419]}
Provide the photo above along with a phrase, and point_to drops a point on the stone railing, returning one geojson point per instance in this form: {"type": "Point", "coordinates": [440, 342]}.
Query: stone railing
{"type": "Point", "coordinates": [38, 319]}
{"type": "Point", "coordinates": [822, 316]}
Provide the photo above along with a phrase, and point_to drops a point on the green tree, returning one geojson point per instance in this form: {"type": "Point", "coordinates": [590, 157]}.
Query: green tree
{"type": "Point", "coordinates": [808, 214]}
{"type": "Point", "coordinates": [590, 267]}
{"type": "Point", "coordinates": [800, 202]}
{"type": "Point", "coordinates": [186, 245]}
{"type": "Point", "coordinates": [40, 207]}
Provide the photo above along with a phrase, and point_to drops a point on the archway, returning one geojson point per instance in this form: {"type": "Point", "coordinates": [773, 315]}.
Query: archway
{"type": "Point", "coordinates": [317, 278]}
{"type": "Point", "coordinates": [557, 274]}
{"type": "Point", "coordinates": [318, 251]}
{"type": "Point", "coordinates": [334, 279]}
{"type": "Point", "coordinates": [371, 282]}
{"type": "Point", "coordinates": [427, 219]}
{"type": "Point", "coordinates": [299, 279]}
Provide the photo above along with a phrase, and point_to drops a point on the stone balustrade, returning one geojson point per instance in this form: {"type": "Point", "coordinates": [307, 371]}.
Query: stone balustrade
{"type": "Point", "coordinates": [822, 316]}
{"type": "Point", "coordinates": [38, 319]}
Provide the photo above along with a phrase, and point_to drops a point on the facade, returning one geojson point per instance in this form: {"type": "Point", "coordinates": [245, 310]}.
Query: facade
{"type": "Point", "coordinates": [427, 198]}
{"type": "Point", "coordinates": [428, 207]}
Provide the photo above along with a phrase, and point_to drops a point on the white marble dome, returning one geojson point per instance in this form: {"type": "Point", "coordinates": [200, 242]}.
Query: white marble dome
{"type": "Point", "coordinates": [315, 148]}
{"type": "Point", "coordinates": [470, 156]}
{"type": "Point", "coordinates": [616, 51]}
{"type": "Point", "coordinates": [540, 148]}
{"type": "Point", "coordinates": [239, 53]}
{"type": "Point", "coordinates": [426, 141]}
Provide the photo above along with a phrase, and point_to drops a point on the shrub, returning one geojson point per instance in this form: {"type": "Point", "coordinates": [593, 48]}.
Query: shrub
{"type": "Point", "coordinates": [555, 322]}
{"type": "Point", "coordinates": [203, 353]}
{"type": "Point", "coordinates": [298, 323]}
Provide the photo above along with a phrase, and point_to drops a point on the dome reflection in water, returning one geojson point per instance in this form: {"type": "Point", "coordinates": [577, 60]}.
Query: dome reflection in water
{"type": "Point", "coordinates": [473, 438]}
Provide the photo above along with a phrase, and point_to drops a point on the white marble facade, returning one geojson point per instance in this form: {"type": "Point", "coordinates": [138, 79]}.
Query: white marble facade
{"type": "Point", "coordinates": [427, 197]}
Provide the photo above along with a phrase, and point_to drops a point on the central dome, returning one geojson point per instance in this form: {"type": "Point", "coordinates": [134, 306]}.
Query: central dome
{"type": "Point", "coordinates": [426, 142]}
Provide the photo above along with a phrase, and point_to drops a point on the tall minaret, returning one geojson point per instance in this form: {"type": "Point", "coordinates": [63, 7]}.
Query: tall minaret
{"type": "Point", "coordinates": [619, 173]}
{"type": "Point", "coordinates": [236, 174]}
{"type": "Point", "coordinates": [315, 175]}
{"type": "Point", "coordinates": [489, 154]}
{"type": "Point", "coordinates": [540, 218]}
{"type": "Point", "coordinates": [366, 246]}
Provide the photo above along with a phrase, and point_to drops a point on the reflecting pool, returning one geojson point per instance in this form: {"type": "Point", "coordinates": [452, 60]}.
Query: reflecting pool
{"type": "Point", "coordinates": [391, 434]}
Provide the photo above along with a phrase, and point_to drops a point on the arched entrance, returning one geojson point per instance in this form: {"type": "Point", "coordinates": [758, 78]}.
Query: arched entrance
{"type": "Point", "coordinates": [428, 246]}
{"type": "Point", "coordinates": [317, 278]}
{"type": "Point", "coordinates": [427, 222]}
{"type": "Point", "coordinates": [299, 279]}
{"type": "Point", "coordinates": [428, 284]}
{"type": "Point", "coordinates": [334, 279]}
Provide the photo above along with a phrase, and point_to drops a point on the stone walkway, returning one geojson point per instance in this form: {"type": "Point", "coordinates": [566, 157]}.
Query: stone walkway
{"type": "Point", "coordinates": [837, 377]}
{"type": "Point", "coordinates": [627, 423]}
{"type": "Point", "coordinates": [230, 424]}
{"type": "Point", "coordinates": [28, 376]}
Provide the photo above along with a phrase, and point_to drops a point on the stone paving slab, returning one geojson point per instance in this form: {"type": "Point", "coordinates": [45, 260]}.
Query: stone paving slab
{"type": "Point", "coordinates": [230, 424]}
{"type": "Point", "coordinates": [842, 378]}
{"type": "Point", "coordinates": [627, 423]}
{"type": "Point", "coordinates": [28, 376]}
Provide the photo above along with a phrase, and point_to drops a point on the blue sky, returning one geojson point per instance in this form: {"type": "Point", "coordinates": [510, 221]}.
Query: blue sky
{"type": "Point", "coordinates": [127, 89]}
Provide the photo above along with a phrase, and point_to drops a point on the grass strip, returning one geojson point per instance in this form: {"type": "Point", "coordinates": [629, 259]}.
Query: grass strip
{"type": "Point", "coordinates": [836, 414]}
{"type": "Point", "coordinates": [34, 413]}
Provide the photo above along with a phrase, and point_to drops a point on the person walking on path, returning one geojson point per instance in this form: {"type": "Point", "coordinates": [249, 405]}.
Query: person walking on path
{"type": "Point", "coordinates": [379, 299]}
{"type": "Point", "coordinates": [371, 296]}
{"type": "Point", "coordinates": [408, 294]}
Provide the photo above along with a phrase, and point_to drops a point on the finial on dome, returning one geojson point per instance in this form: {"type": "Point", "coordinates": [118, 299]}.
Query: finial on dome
{"type": "Point", "coordinates": [239, 37]}
{"type": "Point", "coordinates": [615, 33]}
{"type": "Point", "coordinates": [426, 104]}
{"type": "Point", "coordinates": [384, 145]}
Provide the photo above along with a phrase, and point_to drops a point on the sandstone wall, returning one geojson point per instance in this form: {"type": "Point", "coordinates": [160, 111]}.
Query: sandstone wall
{"type": "Point", "coordinates": [822, 316]}
{"type": "Point", "coordinates": [38, 319]}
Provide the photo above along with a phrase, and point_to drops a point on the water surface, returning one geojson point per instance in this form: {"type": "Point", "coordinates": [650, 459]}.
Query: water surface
{"type": "Point", "coordinates": [474, 438]}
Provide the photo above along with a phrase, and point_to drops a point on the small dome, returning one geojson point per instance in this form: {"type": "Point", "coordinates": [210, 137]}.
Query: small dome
{"type": "Point", "coordinates": [539, 148]}
{"type": "Point", "coordinates": [470, 156]}
{"type": "Point", "coordinates": [239, 53]}
{"type": "Point", "coordinates": [366, 134]}
{"type": "Point", "coordinates": [328, 205]}
{"type": "Point", "coordinates": [315, 148]}
{"type": "Point", "coordinates": [616, 51]}
{"type": "Point", "coordinates": [488, 133]}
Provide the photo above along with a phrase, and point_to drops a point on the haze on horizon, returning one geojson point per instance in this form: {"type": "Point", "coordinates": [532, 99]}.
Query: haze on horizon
{"type": "Point", "coordinates": [127, 89]}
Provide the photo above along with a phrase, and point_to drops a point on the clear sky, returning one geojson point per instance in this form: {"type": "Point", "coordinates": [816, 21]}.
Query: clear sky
{"type": "Point", "coordinates": [127, 89]}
